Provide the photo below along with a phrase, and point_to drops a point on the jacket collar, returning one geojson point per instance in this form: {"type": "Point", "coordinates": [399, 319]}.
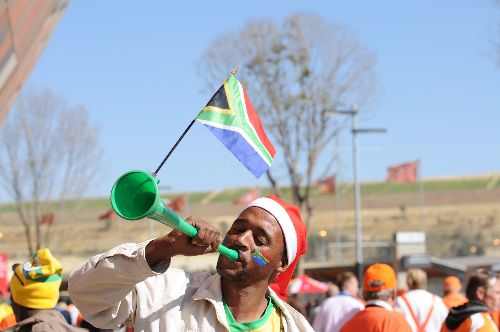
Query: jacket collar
{"type": "Point", "coordinates": [45, 315]}
{"type": "Point", "coordinates": [211, 291]}
{"type": "Point", "coordinates": [379, 303]}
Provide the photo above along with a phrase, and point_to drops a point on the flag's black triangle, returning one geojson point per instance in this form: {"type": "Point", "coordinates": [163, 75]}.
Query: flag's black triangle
{"type": "Point", "coordinates": [219, 99]}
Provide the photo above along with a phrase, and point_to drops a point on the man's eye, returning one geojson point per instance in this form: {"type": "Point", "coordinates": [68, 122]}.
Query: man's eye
{"type": "Point", "coordinates": [260, 241]}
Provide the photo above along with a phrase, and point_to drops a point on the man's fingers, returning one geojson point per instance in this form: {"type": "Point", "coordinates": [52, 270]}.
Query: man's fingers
{"type": "Point", "coordinates": [213, 236]}
{"type": "Point", "coordinates": [200, 238]}
{"type": "Point", "coordinates": [217, 242]}
{"type": "Point", "coordinates": [208, 236]}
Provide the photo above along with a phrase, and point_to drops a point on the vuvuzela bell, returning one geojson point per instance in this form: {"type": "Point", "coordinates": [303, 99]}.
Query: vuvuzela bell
{"type": "Point", "coordinates": [135, 195]}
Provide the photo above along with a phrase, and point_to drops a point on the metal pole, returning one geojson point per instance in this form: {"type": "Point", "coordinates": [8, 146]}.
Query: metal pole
{"type": "Point", "coordinates": [353, 112]}
{"type": "Point", "coordinates": [338, 251]}
{"type": "Point", "coordinates": [357, 198]}
{"type": "Point", "coordinates": [322, 256]}
{"type": "Point", "coordinates": [421, 196]}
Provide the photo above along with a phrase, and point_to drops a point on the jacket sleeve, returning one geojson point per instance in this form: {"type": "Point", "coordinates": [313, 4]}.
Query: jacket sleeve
{"type": "Point", "coordinates": [104, 288]}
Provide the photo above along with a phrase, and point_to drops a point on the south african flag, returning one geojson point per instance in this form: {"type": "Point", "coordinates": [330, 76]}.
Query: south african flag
{"type": "Point", "coordinates": [230, 116]}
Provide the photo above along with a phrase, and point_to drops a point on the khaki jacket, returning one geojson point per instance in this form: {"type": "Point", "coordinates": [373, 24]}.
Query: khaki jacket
{"type": "Point", "coordinates": [45, 321]}
{"type": "Point", "coordinates": [118, 287]}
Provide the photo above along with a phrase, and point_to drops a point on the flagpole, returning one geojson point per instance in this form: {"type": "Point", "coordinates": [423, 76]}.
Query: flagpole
{"type": "Point", "coordinates": [175, 145]}
{"type": "Point", "coordinates": [233, 72]}
{"type": "Point", "coordinates": [421, 196]}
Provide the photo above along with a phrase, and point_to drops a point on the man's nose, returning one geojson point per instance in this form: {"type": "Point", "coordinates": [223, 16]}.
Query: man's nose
{"type": "Point", "coordinates": [245, 240]}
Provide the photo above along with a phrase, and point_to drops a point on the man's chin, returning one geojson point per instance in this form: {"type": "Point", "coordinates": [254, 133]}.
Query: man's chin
{"type": "Point", "coordinates": [230, 274]}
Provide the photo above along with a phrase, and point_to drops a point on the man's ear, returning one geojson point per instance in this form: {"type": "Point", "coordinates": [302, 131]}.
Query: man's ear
{"type": "Point", "coordinates": [284, 261]}
{"type": "Point", "coordinates": [480, 293]}
{"type": "Point", "coordinates": [281, 269]}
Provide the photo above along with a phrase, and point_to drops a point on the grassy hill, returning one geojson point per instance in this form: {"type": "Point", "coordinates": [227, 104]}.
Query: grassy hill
{"type": "Point", "coordinates": [459, 212]}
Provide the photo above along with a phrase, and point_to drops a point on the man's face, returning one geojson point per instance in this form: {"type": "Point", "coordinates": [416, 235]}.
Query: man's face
{"type": "Point", "coordinates": [448, 289]}
{"type": "Point", "coordinates": [255, 228]}
{"type": "Point", "coordinates": [492, 295]}
{"type": "Point", "coordinates": [351, 287]}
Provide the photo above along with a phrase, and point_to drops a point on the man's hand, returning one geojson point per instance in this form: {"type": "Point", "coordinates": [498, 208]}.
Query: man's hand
{"type": "Point", "coordinates": [175, 243]}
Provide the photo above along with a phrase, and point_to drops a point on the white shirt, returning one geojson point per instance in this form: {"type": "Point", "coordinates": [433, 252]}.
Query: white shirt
{"type": "Point", "coordinates": [421, 302]}
{"type": "Point", "coordinates": [380, 303]}
{"type": "Point", "coordinates": [118, 287]}
{"type": "Point", "coordinates": [335, 312]}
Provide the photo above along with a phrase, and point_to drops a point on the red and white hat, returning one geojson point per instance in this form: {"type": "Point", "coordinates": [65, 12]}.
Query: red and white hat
{"type": "Point", "coordinates": [294, 231]}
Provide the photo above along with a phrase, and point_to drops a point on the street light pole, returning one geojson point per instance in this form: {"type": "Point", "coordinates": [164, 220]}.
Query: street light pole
{"type": "Point", "coordinates": [353, 112]}
{"type": "Point", "coordinates": [357, 196]}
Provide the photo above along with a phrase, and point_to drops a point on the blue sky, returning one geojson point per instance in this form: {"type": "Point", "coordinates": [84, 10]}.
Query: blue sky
{"type": "Point", "coordinates": [134, 66]}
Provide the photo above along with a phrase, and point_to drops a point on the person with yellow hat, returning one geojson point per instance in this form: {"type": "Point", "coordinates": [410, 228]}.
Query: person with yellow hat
{"type": "Point", "coordinates": [379, 292]}
{"type": "Point", "coordinates": [34, 289]}
{"type": "Point", "coordinates": [451, 289]}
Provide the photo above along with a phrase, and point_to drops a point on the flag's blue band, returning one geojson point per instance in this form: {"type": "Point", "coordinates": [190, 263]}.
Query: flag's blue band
{"type": "Point", "coordinates": [243, 151]}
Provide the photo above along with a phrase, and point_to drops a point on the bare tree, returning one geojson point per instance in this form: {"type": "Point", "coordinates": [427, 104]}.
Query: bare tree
{"type": "Point", "coordinates": [295, 73]}
{"type": "Point", "coordinates": [49, 155]}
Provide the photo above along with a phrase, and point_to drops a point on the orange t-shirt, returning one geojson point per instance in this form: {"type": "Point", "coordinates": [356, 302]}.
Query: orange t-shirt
{"type": "Point", "coordinates": [376, 319]}
{"type": "Point", "coordinates": [454, 300]}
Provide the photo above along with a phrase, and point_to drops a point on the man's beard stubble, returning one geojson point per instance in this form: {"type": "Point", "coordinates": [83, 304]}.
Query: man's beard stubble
{"type": "Point", "coordinates": [238, 276]}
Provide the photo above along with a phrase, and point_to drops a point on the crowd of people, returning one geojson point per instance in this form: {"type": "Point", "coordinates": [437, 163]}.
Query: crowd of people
{"type": "Point", "coordinates": [132, 287]}
{"type": "Point", "coordinates": [385, 307]}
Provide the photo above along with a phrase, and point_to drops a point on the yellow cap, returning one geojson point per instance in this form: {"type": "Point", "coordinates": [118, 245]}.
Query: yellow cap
{"type": "Point", "coordinates": [35, 284]}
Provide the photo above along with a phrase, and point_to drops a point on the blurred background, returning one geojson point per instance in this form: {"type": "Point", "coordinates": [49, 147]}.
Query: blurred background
{"type": "Point", "coordinates": [385, 117]}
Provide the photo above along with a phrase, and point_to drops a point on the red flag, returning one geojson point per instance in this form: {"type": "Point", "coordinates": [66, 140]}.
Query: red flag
{"type": "Point", "coordinates": [247, 197]}
{"type": "Point", "coordinates": [108, 215]}
{"type": "Point", "coordinates": [326, 185]}
{"type": "Point", "coordinates": [178, 204]}
{"type": "Point", "coordinates": [47, 219]}
{"type": "Point", "coordinates": [403, 173]}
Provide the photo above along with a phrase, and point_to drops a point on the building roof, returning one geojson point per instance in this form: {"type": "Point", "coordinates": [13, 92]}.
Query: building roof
{"type": "Point", "coordinates": [25, 28]}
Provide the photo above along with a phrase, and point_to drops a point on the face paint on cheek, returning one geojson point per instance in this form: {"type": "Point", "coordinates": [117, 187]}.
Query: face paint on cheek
{"type": "Point", "coordinates": [258, 258]}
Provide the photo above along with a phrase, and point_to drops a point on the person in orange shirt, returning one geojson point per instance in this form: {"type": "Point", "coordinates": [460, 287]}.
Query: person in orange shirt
{"type": "Point", "coordinates": [483, 292]}
{"type": "Point", "coordinates": [451, 289]}
{"type": "Point", "coordinates": [379, 292]}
